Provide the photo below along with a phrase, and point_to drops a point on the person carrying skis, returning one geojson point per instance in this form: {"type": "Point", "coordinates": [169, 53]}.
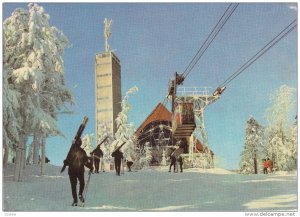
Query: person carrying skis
{"type": "Point", "coordinates": [97, 154]}
{"type": "Point", "coordinates": [118, 155]}
{"type": "Point", "coordinates": [172, 159]}
{"type": "Point", "coordinates": [76, 161]}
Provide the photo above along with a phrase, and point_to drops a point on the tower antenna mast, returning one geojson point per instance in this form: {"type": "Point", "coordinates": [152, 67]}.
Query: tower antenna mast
{"type": "Point", "coordinates": [107, 33]}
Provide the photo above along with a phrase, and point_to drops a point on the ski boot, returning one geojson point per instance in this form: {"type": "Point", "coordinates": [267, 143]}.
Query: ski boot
{"type": "Point", "coordinates": [74, 203]}
{"type": "Point", "coordinates": [81, 198]}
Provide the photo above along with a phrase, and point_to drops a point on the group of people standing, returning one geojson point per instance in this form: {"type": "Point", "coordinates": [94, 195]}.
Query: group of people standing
{"type": "Point", "coordinates": [267, 164]}
{"type": "Point", "coordinates": [175, 156]}
{"type": "Point", "coordinates": [173, 161]}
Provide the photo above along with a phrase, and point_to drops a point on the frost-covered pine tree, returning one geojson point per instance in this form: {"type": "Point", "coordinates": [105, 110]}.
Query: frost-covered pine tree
{"type": "Point", "coordinates": [33, 53]}
{"type": "Point", "coordinates": [146, 158]}
{"type": "Point", "coordinates": [125, 130]}
{"type": "Point", "coordinates": [203, 161]}
{"type": "Point", "coordinates": [164, 160]}
{"type": "Point", "coordinates": [11, 117]}
{"type": "Point", "coordinates": [29, 159]}
{"type": "Point", "coordinates": [280, 146]}
{"type": "Point", "coordinates": [106, 146]}
{"type": "Point", "coordinates": [294, 144]}
{"type": "Point", "coordinates": [87, 143]}
{"type": "Point", "coordinates": [253, 151]}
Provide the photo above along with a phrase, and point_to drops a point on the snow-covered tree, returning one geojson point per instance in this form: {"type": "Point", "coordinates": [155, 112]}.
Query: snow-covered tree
{"type": "Point", "coordinates": [145, 157]}
{"type": "Point", "coordinates": [11, 117]}
{"type": "Point", "coordinates": [87, 143]}
{"type": "Point", "coordinates": [164, 160]}
{"type": "Point", "coordinates": [281, 145]}
{"type": "Point", "coordinates": [29, 159]}
{"type": "Point", "coordinates": [106, 146]}
{"type": "Point", "coordinates": [33, 53]}
{"type": "Point", "coordinates": [203, 159]}
{"type": "Point", "coordinates": [125, 132]}
{"type": "Point", "coordinates": [294, 144]}
{"type": "Point", "coordinates": [253, 151]}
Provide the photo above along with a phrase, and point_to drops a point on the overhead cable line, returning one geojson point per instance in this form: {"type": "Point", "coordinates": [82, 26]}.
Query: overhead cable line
{"type": "Point", "coordinates": [227, 14]}
{"type": "Point", "coordinates": [262, 51]}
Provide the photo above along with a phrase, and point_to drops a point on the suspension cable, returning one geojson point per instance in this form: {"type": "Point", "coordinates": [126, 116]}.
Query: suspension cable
{"type": "Point", "coordinates": [227, 14]}
{"type": "Point", "coordinates": [262, 51]}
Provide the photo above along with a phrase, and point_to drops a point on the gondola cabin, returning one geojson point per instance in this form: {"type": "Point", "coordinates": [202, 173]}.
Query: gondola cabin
{"type": "Point", "coordinates": [183, 121]}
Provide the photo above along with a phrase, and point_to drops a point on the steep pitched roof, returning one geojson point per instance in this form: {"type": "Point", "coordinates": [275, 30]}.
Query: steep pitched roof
{"type": "Point", "coordinates": [160, 113]}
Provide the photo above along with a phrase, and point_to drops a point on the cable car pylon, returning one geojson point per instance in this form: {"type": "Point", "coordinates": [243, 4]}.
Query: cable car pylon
{"type": "Point", "coordinates": [200, 97]}
{"type": "Point", "coordinates": [188, 105]}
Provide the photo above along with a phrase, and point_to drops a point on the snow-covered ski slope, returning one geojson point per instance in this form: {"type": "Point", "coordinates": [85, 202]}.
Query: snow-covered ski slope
{"type": "Point", "coordinates": [154, 189]}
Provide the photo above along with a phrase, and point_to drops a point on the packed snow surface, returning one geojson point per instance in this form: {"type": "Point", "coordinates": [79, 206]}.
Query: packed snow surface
{"type": "Point", "coordinates": [154, 189]}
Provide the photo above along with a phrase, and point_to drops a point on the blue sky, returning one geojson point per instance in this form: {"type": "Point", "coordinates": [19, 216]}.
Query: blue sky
{"type": "Point", "coordinates": [154, 40]}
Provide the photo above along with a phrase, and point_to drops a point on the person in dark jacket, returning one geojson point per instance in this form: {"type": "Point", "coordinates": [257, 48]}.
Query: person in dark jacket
{"type": "Point", "coordinates": [180, 160]}
{"type": "Point", "coordinates": [118, 155]}
{"type": "Point", "coordinates": [76, 161]}
{"type": "Point", "coordinates": [129, 164]}
{"type": "Point", "coordinates": [97, 154]}
{"type": "Point", "coordinates": [173, 163]}
{"type": "Point", "coordinates": [172, 159]}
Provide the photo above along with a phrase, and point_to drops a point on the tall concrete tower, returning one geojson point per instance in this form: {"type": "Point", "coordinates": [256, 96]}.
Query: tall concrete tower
{"type": "Point", "coordinates": [107, 86]}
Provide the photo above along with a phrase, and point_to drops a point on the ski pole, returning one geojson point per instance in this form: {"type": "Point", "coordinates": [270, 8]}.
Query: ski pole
{"type": "Point", "coordinates": [86, 188]}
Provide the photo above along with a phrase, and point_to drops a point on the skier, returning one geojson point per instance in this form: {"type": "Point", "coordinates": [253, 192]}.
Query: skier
{"type": "Point", "coordinates": [270, 165]}
{"type": "Point", "coordinates": [129, 163]}
{"type": "Point", "coordinates": [118, 155]}
{"type": "Point", "coordinates": [173, 162]}
{"type": "Point", "coordinates": [97, 154]}
{"type": "Point", "coordinates": [172, 159]}
{"type": "Point", "coordinates": [265, 166]}
{"type": "Point", "coordinates": [76, 161]}
{"type": "Point", "coordinates": [180, 160]}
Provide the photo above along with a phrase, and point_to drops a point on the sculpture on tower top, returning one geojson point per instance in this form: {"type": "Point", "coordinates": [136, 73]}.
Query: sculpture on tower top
{"type": "Point", "coordinates": [107, 33]}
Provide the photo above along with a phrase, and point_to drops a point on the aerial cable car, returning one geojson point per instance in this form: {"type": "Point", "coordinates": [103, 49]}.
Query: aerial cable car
{"type": "Point", "coordinates": [219, 91]}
